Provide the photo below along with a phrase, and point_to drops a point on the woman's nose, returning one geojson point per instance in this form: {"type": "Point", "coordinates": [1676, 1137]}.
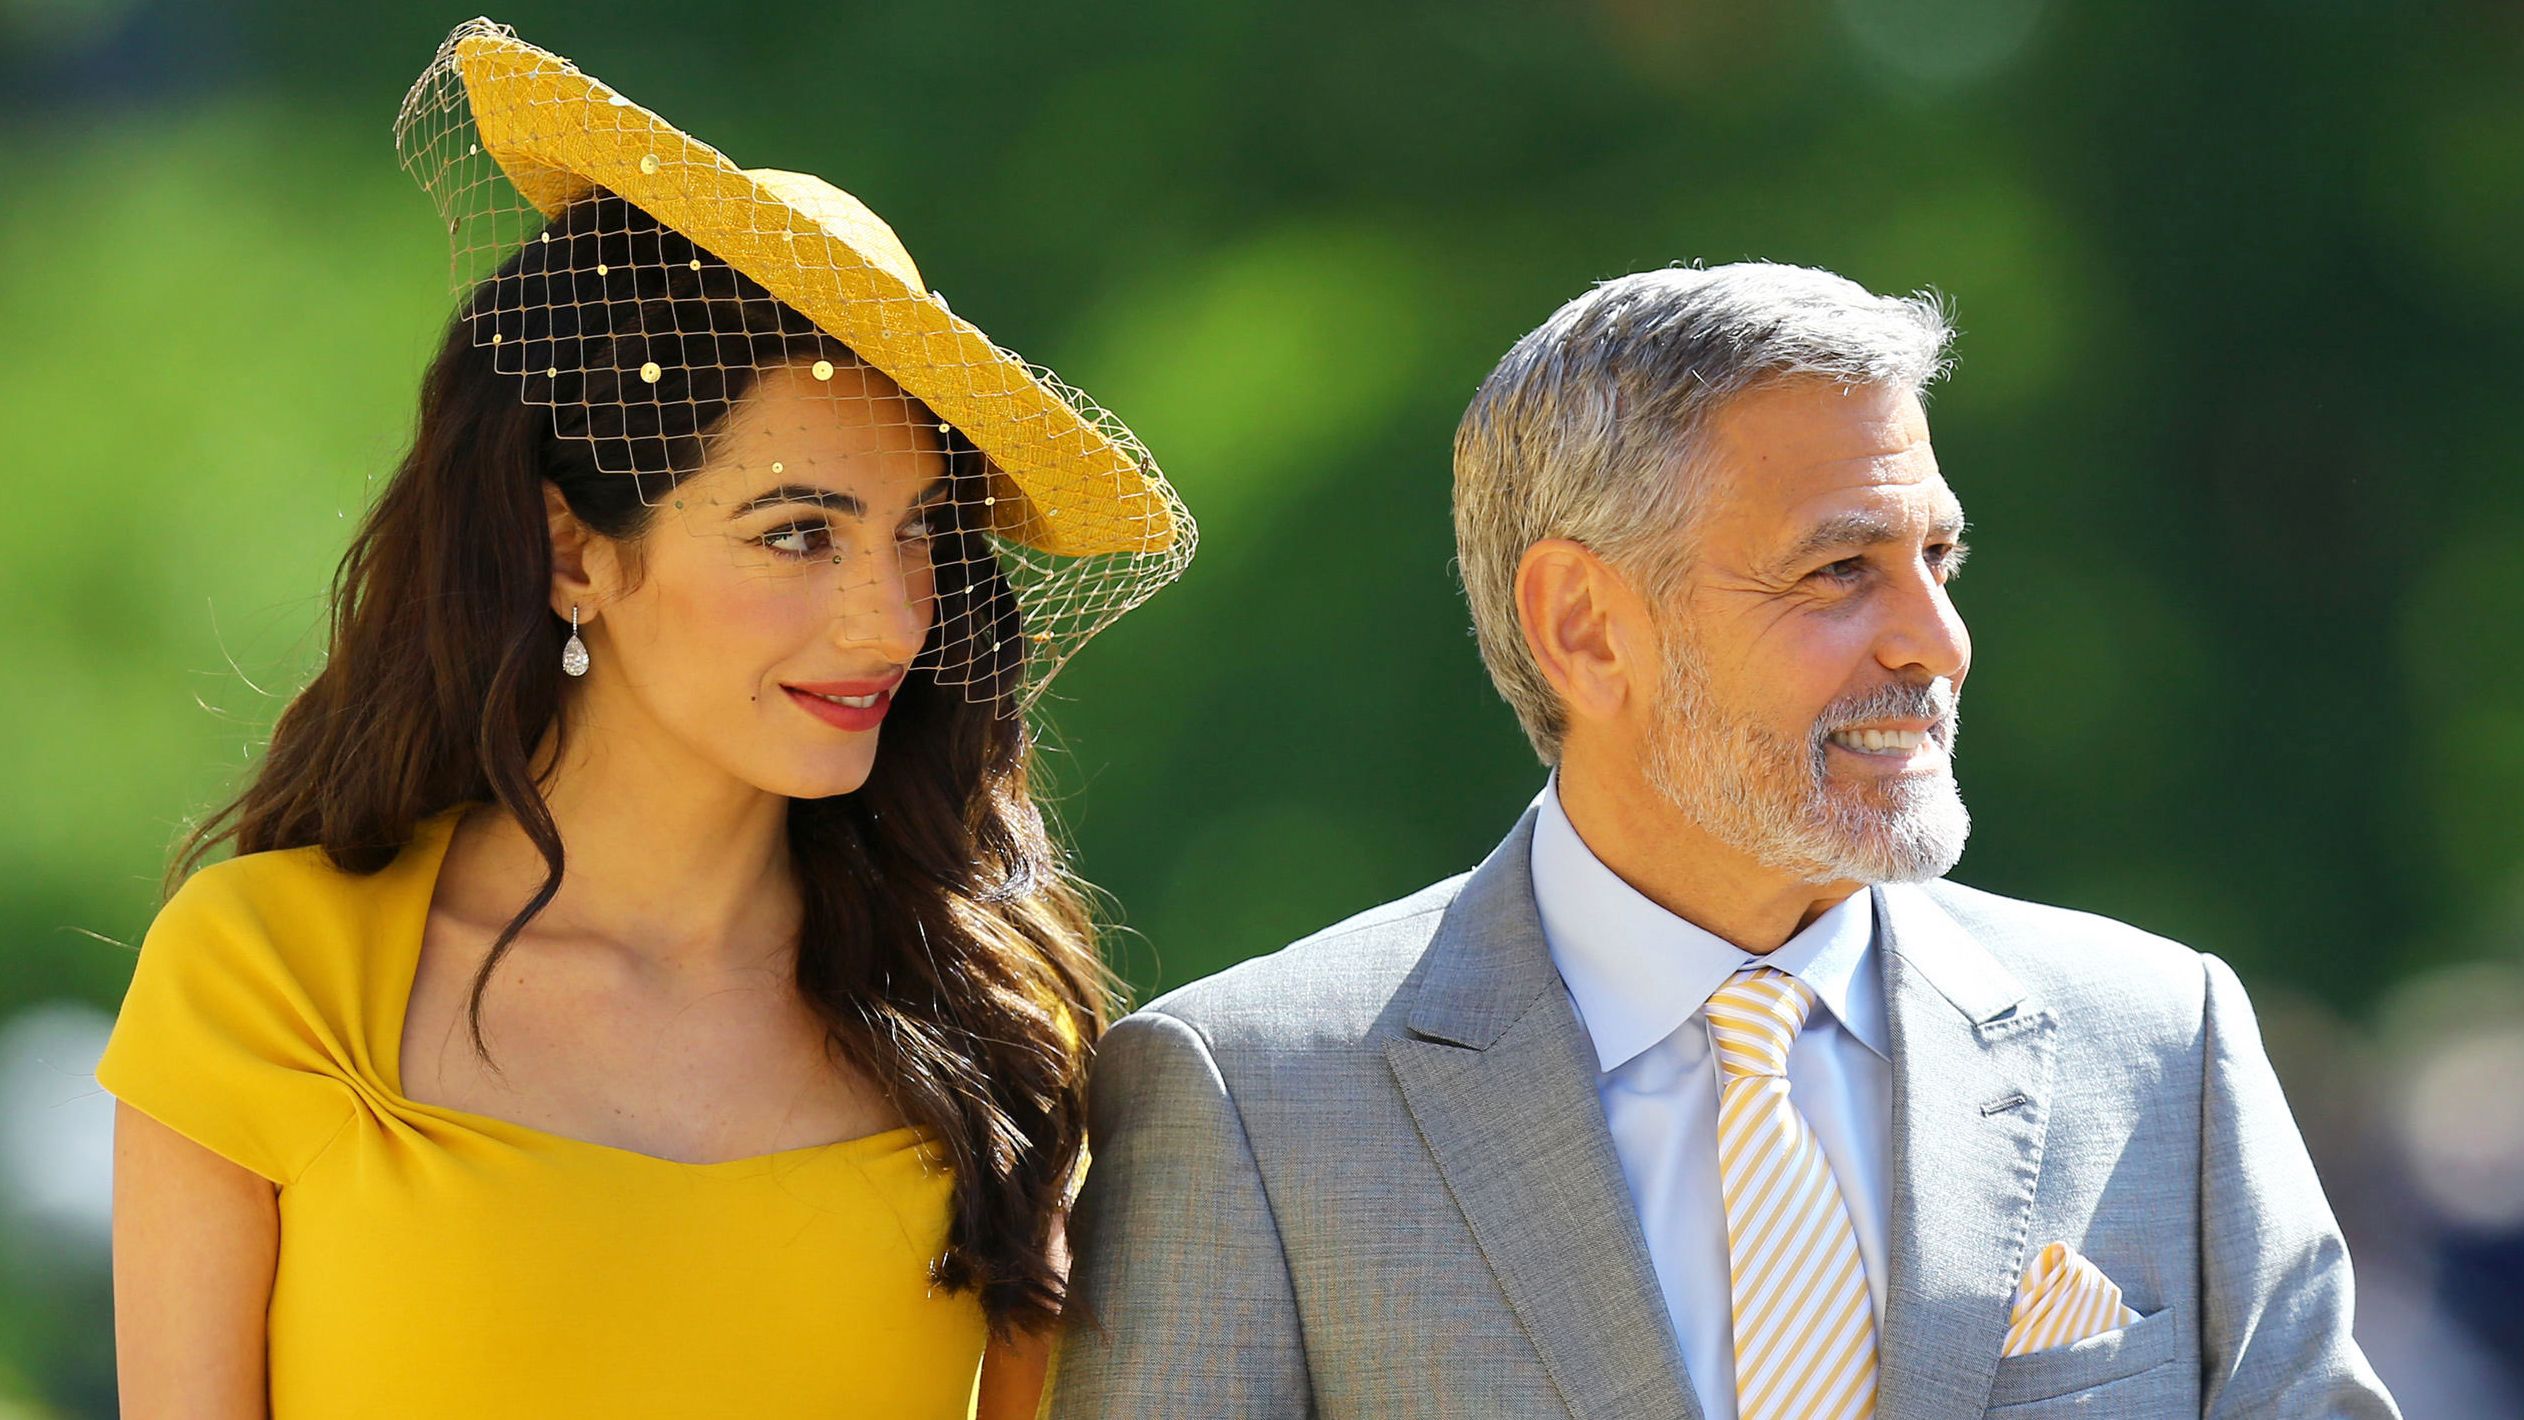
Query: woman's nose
{"type": "Point", "coordinates": [890, 604]}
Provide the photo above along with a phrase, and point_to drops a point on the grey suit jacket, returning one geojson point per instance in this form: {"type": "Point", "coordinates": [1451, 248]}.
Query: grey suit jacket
{"type": "Point", "coordinates": [1368, 1176]}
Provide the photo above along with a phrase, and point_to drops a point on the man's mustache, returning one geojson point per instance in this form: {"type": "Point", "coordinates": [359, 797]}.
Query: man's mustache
{"type": "Point", "coordinates": [1902, 700]}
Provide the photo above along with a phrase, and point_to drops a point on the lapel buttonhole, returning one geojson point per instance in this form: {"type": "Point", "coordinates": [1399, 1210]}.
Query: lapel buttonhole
{"type": "Point", "coordinates": [2002, 1105]}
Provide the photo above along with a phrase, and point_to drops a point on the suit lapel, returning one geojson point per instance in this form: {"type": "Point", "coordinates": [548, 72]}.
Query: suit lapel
{"type": "Point", "coordinates": [1498, 1076]}
{"type": "Point", "coordinates": [1971, 1108]}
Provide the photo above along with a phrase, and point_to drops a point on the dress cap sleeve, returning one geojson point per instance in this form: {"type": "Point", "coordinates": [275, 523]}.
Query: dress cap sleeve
{"type": "Point", "coordinates": [217, 1039]}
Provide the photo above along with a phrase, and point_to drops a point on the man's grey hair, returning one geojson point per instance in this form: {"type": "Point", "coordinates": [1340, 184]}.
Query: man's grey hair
{"type": "Point", "coordinates": [1589, 428]}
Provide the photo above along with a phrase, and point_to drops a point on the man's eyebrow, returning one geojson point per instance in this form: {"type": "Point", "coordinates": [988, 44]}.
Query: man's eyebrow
{"type": "Point", "coordinates": [847, 504]}
{"type": "Point", "coordinates": [1862, 529]}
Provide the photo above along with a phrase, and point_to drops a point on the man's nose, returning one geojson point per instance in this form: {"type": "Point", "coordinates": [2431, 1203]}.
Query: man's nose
{"type": "Point", "coordinates": [1924, 631]}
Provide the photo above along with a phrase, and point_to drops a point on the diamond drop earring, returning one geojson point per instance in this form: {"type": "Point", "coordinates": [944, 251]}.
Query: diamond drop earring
{"type": "Point", "coordinates": [574, 651]}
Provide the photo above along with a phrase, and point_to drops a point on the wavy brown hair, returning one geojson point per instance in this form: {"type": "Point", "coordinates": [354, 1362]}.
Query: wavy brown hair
{"type": "Point", "coordinates": [945, 944]}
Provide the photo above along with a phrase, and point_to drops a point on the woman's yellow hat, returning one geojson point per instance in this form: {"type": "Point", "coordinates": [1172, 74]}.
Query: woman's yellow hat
{"type": "Point", "coordinates": [1069, 479]}
{"type": "Point", "coordinates": [511, 142]}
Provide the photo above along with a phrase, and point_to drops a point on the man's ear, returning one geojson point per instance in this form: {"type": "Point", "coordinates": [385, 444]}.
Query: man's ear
{"type": "Point", "coordinates": [572, 540]}
{"type": "Point", "coordinates": [1582, 623]}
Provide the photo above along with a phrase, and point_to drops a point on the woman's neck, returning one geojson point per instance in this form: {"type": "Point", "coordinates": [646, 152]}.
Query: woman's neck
{"type": "Point", "coordinates": [666, 857]}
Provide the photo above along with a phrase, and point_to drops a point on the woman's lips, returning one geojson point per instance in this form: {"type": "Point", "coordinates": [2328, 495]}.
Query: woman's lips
{"type": "Point", "coordinates": [825, 703]}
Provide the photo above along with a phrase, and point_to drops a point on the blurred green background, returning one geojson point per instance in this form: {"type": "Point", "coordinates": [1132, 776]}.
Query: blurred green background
{"type": "Point", "coordinates": [2238, 286]}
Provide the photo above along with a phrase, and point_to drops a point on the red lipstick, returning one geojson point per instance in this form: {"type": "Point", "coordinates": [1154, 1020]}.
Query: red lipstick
{"type": "Point", "coordinates": [822, 699]}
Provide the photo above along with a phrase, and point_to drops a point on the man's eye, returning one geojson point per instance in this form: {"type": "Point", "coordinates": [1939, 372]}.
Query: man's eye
{"type": "Point", "coordinates": [1947, 558]}
{"type": "Point", "coordinates": [1844, 570]}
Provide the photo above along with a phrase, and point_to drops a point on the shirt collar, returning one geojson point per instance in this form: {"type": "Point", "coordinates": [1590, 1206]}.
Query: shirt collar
{"type": "Point", "coordinates": [1638, 972]}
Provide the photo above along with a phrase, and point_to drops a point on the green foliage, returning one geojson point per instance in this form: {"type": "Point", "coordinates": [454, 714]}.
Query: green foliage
{"type": "Point", "coordinates": [2221, 416]}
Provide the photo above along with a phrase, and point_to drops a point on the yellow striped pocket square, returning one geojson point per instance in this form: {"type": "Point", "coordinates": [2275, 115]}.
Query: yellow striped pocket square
{"type": "Point", "coordinates": [2063, 1298]}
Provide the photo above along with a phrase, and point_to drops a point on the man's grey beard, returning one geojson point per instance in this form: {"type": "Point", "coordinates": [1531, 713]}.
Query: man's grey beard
{"type": "Point", "coordinates": [1772, 800]}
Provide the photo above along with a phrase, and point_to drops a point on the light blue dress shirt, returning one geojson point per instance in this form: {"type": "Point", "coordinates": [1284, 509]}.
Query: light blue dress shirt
{"type": "Point", "coordinates": [1638, 976]}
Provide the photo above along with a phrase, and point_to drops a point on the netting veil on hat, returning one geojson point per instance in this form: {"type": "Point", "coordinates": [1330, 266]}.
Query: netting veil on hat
{"type": "Point", "coordinates": [641, 286]}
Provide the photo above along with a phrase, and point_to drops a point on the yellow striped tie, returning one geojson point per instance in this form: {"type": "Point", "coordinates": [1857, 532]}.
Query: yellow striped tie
{"type": "Point", "coordinates": [1804, 1322]}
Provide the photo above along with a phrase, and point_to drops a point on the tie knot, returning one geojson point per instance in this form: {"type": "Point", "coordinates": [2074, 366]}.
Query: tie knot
{"type": "Point", "coordinates": [1754, 1018]}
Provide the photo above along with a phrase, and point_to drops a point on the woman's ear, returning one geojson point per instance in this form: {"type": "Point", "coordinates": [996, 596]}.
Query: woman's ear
{"type": "Point", "coordinates": [572, 582]}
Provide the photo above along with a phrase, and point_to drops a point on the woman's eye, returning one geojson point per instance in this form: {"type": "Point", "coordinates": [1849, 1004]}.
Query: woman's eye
{"type": "Point", "coordinates": [800, 540]}
{"type": "Point", "coordinates": [927, 525]}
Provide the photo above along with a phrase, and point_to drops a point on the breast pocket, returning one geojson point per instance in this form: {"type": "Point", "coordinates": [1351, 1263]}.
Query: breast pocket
{"type": "Point", "coordinates": [2130, 1371]}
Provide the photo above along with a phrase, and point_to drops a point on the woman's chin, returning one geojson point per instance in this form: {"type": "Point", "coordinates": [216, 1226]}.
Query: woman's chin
{"type": "Point", "coordinates": [825, 777]}
{"type": "Point", "coordinates": [821, 783]}
{"type": "Point", "coordinates": [793, 770]}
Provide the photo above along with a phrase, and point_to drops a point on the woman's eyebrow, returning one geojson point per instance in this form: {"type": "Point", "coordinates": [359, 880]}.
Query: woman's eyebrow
{"type": "Point", "coordinates": [803, 493]}
{"type": "Point", "coordinates": [845, 503]}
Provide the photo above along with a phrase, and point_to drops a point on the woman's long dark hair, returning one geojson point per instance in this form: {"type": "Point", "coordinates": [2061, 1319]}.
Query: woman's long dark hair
{"type": "Point", "coordinates": [944, 943]}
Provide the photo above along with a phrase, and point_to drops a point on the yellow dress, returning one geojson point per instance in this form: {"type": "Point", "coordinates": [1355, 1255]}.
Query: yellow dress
{"type": "Point", "coordinates": [439, 1263]}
